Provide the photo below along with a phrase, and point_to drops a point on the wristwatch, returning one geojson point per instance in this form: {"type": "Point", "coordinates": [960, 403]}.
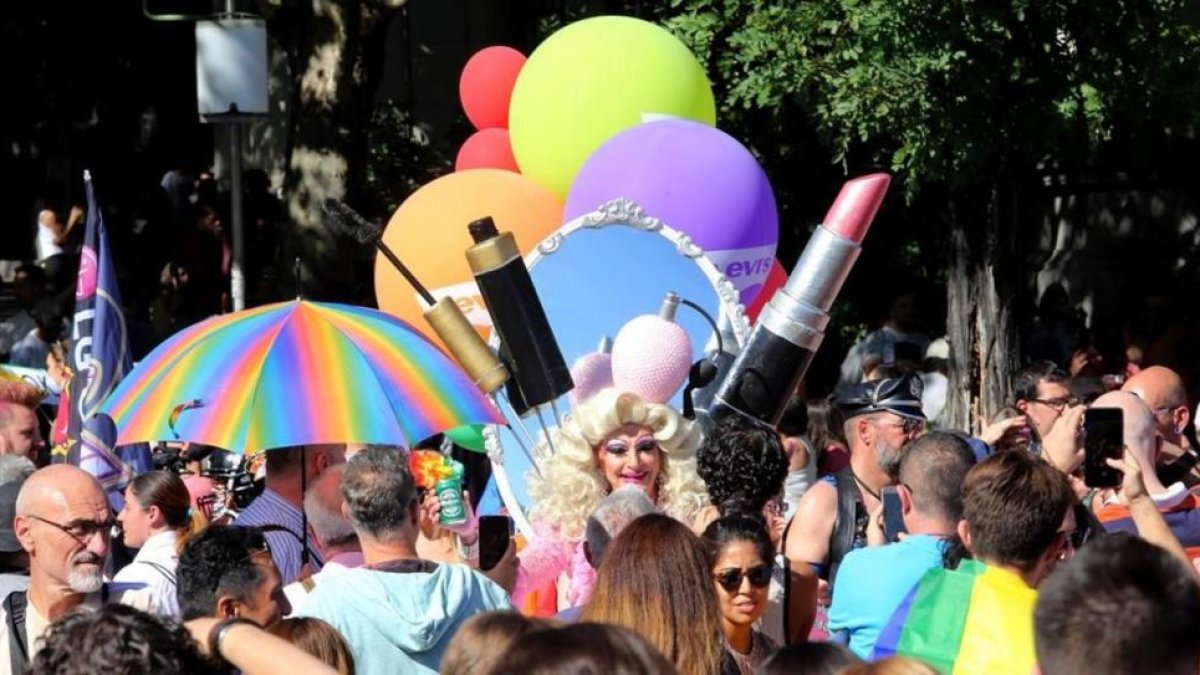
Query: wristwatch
{"type": "Point", "coordinates": [217, 634]}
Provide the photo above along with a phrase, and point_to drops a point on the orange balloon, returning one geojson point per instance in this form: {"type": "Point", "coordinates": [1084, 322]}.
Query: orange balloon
{"type": "Point", "coordinates": [429, 233]}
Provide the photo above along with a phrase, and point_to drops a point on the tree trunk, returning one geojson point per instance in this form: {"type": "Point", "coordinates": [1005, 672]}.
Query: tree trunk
{"type": "Point", "coordinates": [329, 47]}
{"type": "Point", "coordinates": [982, 288]}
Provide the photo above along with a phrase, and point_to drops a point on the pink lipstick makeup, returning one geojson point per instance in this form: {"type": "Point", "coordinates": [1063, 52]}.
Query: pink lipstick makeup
{"type": "Point", "coordinates": [791, 326]}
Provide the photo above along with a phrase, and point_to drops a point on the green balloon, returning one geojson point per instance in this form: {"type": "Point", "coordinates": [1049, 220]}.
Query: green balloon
{"type": "Point", "coordinates": [590, 81]}
{"type": "Point", "coordinates": [469, 436]}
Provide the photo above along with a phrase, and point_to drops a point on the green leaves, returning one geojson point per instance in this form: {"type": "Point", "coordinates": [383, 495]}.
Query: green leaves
{"type": "Point", "coordinates": [947, 91]}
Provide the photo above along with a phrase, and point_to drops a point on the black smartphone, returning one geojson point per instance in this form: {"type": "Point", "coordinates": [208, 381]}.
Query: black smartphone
{"type": "Point", "coordinates": [1104, 430]}
{"type": "Point", "coordinates": [494, 535]}
{"type": "Point", "coordinates": [893, 514]}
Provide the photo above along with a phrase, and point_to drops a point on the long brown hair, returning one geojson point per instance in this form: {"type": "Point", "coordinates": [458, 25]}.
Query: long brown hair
{"type": "Point", "coordinates": [484, 638]}
{"type": "Point", "coordinates": [656, 581]}
{"type": "Point", "coordinates": [168, 492]}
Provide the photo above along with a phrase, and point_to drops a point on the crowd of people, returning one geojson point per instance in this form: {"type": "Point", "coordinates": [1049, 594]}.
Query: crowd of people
{"type": "Point", "coordinates": [861, 534]}
{"type": "Point", "coordinates": [658, 547]}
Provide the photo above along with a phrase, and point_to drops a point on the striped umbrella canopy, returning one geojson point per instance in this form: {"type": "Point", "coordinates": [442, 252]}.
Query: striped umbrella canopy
{"type": "Point", "coordinates": [296, 373]}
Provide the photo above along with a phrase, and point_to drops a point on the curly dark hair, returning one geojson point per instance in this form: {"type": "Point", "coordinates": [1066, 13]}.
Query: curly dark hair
{"type": "Point", "coordinates": [118, 639]}
{"type": "Point", "coordinates": [743, 464]}
{"type": "Point", "coordinates": [218, 561]}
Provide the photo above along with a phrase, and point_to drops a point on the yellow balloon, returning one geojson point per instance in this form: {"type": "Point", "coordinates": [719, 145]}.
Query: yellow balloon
{"type": "Point", "coordinates": [592, 80]}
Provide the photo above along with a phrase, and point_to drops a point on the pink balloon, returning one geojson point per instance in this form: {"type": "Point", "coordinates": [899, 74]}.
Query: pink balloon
{"type": "Point", "coordinates": [487, 149]}
{"type": "Point", "coordinates": [486, 86]}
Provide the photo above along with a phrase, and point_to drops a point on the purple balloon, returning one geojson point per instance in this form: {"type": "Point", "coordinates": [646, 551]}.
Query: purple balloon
{"type": "Point", "coordinates": [692, 177]}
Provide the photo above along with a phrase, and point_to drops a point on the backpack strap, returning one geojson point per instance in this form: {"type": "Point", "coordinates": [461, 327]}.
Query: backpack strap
{"type": "Point", "coordinates": [842, 541]}
{"type": "Point", "coordinates": [18, 646]}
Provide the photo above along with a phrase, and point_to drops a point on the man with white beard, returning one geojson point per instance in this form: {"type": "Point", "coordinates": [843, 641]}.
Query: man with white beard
{"type": "Point", "coordinates": [64, 523]}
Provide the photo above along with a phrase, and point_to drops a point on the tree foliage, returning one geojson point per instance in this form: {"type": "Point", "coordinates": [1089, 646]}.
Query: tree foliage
{"type": "Point", "coordinates": [954, 92]}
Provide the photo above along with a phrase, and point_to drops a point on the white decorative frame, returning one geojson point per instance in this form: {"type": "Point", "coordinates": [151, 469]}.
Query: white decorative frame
{"type": "Point", "coordinates": [733, 322]}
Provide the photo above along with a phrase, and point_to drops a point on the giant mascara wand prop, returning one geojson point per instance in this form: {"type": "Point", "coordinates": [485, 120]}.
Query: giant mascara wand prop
{"type": "Point", "coordinates": [527, 341]}
{"type": "Point", "coordinates": [791, 326]}
{"type": "Point", "coordinates": [444, 316]}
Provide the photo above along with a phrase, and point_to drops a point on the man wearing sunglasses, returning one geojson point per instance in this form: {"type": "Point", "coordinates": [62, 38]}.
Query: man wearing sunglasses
{"type": "Point", "coordinates": [64, 523]}
{"type": "Point", "coordinates": [873, 581]}
{"type": "Point", "coordinates": [880, 418]}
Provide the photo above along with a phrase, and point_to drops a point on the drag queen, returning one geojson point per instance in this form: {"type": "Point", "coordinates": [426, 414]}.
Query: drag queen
{"type": "Point", "coordinates": [612, 439]}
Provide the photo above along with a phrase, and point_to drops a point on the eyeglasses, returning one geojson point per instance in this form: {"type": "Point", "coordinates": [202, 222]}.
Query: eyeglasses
{"type": "Point", "coordinates": [81, 530]}
{"type": "Point", "coordinates": [731, 579]}
{"type": "Point", "coordinates": [1057, 404]}
{"type": "Point", "coordinates": [909, 424]}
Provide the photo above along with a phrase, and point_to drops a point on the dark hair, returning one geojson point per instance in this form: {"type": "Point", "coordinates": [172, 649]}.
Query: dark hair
{"type": "Point", "coordinates": [216, 562]}
{"type": "Point", "coordinates": [484, 638]}
{"type": "Point", "coordinates": [655, 579]}
{"type": "Point", "coordinates": [933, 468]}
{"type": "Point", "coordinates": [1086, 388]}
{"type": "Point", "coordinates": [824, 424]}
{"type": "Point", "coordinates": [1122, 605]}
{"type": "Point", "coordinates": [379, 489]}
{"type": "Point", "coordinates": [794, 421]}
{"type": "Point", "coordinates": [730, 529]}
{"type": "Point", "coordinates": [743, 465]}
{"type": "Point", "coordinates": [1014, 504]}
{"type": "Point", "coordinates": [117, 639]}
{"type": "Point", "coordinates": [167, 491]}
{"type": "Point", "coordinates": [809, 658]}
{"type": "Point", "coordinates": [583, 649]}
{"type": "Point", "coordinates": [1025, 386]}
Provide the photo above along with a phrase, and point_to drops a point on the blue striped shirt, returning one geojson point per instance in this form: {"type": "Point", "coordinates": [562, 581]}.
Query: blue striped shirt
{"type": "Point", "coordinates": [271, 509]}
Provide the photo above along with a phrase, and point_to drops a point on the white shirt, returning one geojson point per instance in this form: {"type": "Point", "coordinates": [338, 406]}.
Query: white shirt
{"type": "Point", "coordinates": [46, 247]}
{"type": "Point", "coordinates": [153, 568]}
{"type": "Point", "coordinates": [297, 594]}
{"type": "Point", "coordinates": [36, 625]}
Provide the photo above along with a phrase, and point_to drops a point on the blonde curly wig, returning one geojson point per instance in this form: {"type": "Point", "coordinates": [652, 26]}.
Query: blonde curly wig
{"type": "Point", "coordinates": [571, 483]}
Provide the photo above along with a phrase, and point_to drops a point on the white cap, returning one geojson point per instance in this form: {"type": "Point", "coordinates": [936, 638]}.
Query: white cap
{"type": "Point", "coordinates": [938, 349]}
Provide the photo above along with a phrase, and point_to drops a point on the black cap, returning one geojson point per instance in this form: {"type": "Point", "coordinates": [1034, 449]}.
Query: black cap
{"type": "Point", "coordinates": [899, 395]}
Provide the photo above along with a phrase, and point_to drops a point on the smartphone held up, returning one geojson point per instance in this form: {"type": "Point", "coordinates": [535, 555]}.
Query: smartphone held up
{"type": "Point", "coordinates": [1104, 438]}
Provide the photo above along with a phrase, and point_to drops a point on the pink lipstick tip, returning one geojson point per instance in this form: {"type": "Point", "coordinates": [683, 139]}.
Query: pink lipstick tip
{"type": "Point", "coordinates": [855, 206]}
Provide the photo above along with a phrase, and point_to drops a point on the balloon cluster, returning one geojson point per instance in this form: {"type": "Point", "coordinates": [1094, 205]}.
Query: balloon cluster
{"type": "Point", "coordinates": [485, 89]}
{"type": "Point", "coordinates": [616, 107]}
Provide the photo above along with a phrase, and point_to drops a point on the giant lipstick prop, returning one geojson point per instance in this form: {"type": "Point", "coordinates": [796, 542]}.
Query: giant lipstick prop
{"type": "Point", "coordinates": [791, 326]}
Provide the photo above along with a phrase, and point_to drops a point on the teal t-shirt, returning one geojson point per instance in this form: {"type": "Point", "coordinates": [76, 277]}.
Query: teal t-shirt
{"type": "Point", "coordinates": [871, 584]}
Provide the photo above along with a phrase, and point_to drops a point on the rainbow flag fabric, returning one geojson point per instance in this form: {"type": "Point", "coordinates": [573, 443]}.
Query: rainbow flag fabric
{"type": "Point", "coordinates": [974, 619]}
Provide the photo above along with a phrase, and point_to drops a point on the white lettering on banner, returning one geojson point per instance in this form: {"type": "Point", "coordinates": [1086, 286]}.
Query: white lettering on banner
{"type": "Point", "coordinates": [466, 295]}
{"type": "Point", "coordinates": [744, 267]}
{"type": "Point", "coordinates": [83, 344]}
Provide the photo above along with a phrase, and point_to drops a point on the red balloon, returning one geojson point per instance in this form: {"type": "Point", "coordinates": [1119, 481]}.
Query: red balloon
{"type": "Point", "coordinates": [487, 149]}
{"type": "Point", "coordinates": [486, 85]}
{"type": "Point", "coordinates": [776, 278]}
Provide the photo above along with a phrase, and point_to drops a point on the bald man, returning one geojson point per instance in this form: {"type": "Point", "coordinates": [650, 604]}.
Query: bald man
{"type": "Point", "coordinates": [1163, 391]}
{"type": "Point", "coordinates": [1144, 442]}
{"type": "Point", "coordinates": [63, 522]}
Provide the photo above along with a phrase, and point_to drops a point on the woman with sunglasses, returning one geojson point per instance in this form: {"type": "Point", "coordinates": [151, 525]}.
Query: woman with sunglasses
{"type": "Point", "coordinates": [740, 556]}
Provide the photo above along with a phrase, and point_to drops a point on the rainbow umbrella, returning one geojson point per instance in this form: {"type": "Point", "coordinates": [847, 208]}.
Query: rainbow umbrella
{"type": "Point", "coordinates": [296, 373]}
{"type": "Point", "coordinates": [974, 619]}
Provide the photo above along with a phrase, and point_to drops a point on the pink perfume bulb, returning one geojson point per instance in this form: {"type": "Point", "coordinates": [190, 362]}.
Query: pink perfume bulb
{"type": "Point", "coordinates": [651, 358]}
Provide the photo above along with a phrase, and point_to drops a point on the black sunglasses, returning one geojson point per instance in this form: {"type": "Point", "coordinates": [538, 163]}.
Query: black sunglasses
{"type": "Point", "coordinates": [731, 579]}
